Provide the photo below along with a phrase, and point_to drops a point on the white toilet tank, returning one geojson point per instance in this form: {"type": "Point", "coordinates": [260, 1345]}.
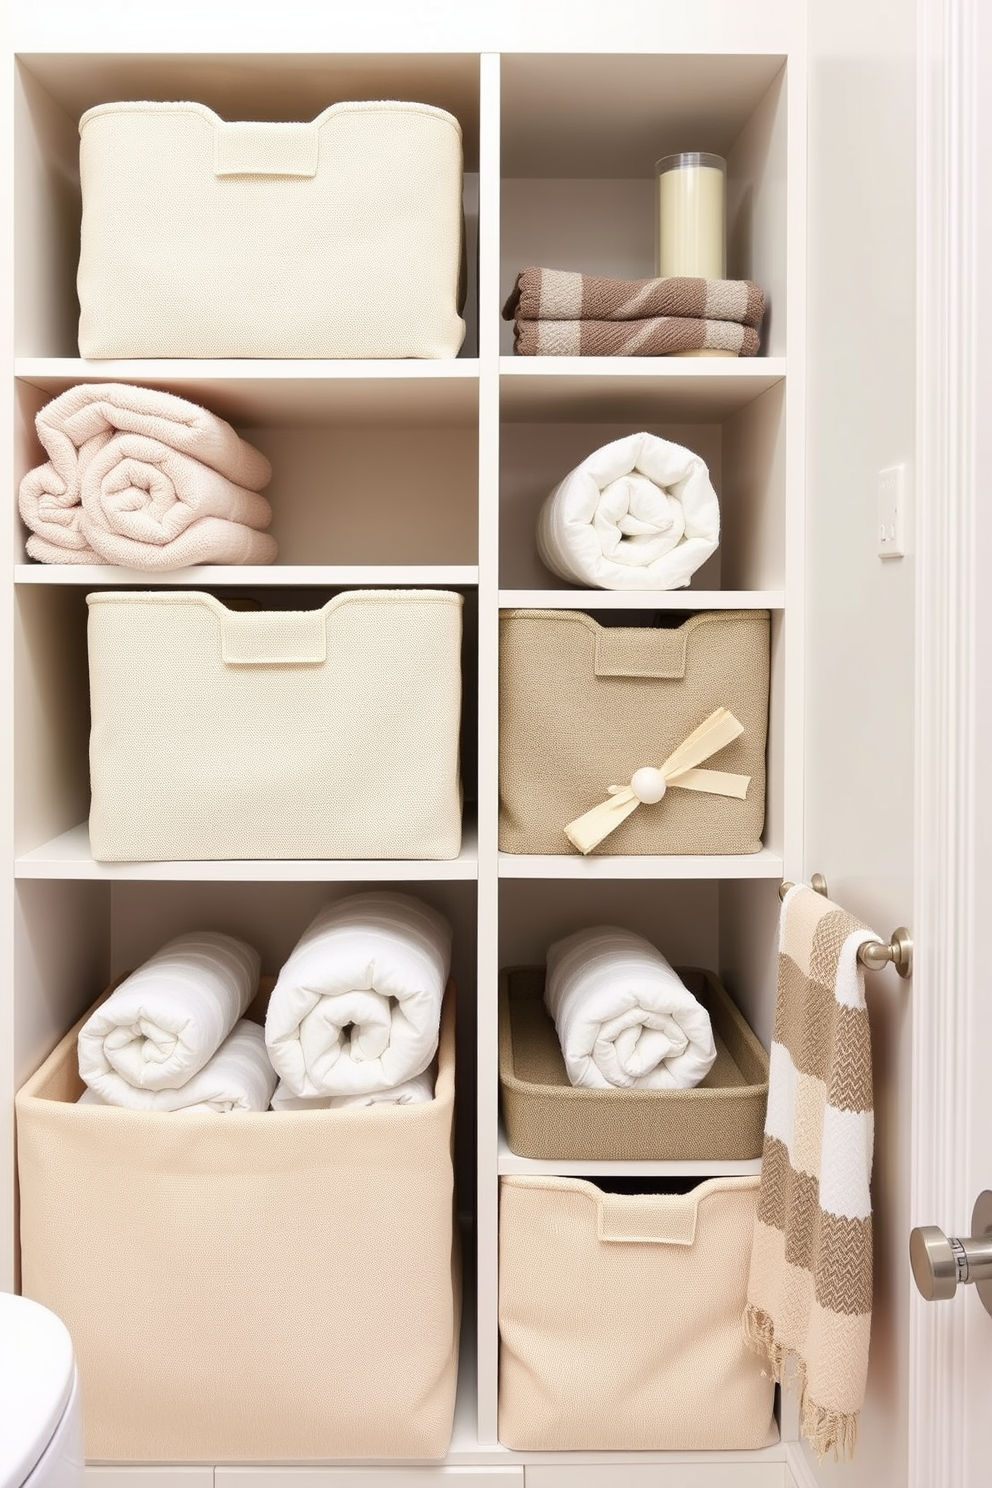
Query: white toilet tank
{"type": "Point", "coordinates": [41, 1430]}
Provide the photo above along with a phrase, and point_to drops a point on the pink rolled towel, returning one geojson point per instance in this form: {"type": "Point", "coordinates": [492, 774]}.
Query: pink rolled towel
{"type": "Point", "coordinates": [143, 479]}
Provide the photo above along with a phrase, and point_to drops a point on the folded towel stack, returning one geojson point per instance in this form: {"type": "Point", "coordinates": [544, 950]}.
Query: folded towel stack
{"type": "Point", "coordinates": [640, 513]}
{"type": "Point", "coordinates": [624, 1018]}
{"type": "Point", "coordinates": [171, 1036]}
{"type": "Point", "coordinates": [145, 480]}
{"type": "Point", "coordinates": [559, 313]}
{"type": "Point", "coordinates": [355, 1013]}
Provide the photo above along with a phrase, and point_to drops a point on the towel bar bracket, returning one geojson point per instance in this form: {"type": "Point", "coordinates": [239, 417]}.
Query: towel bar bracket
{"type": "Point", "coordinates": [875, 954]}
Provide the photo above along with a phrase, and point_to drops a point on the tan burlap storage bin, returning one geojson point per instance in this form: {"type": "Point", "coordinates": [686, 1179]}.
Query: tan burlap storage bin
{"type": "Point", "coordinates": [584, 705]}
{"type": "Point", "coordinates": [337, 237]}
{"type": "Point", "coordinates": [546, 1117]}
{"type": "Point", "coordinates": [327, 733]}
{"type": "Point", "coordinates": [252, 1286]}
{"type": "Point", "coordinates": [620, 1319]}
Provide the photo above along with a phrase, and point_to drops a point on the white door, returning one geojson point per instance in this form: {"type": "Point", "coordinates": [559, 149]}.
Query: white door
{"type": "Point", "coordinates": [951, 1341]}
{"type": "Point", "coordinates": [899, 665]}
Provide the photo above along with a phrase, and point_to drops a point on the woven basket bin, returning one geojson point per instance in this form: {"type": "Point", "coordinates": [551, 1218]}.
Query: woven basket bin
{"type": "Point", "coordinates": [250, 1286]}
{"type": "Point", "coordinates": [584, 705]}
{"type": "Point", "coordinates": [546, 1117]}
{"type": "Point", "coordinates": [620, 1319]}
{"type": "Point", "coordinates": [339, 237]}
{"type": "Point", "coordinates": [328, 733]}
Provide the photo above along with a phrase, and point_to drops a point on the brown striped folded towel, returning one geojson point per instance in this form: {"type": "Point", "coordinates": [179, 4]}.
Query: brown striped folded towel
{"type": "Point", "coordinates": [810, 1284]}
{"type": "Point", "coordinates": [559, 294]}
{"type": "Point", "coordinates": [556, 312]}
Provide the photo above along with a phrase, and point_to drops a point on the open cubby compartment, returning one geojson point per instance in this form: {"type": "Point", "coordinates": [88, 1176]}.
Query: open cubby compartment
{"type": "Point", "coordinates": [693, 923]}
{"type": "Point", "coordinates": [54, 90]}
{"type": "Point", "coordinates": [728, 926]}
{"type": "Point", "coordinates": [107, 929]}
{"type": "Point", "coordinates": [51, 742]}
{"type": "Point", "coordinates": [368, 471]}
{"type": "Point", "coordinates": [577, 178]}
{"type": "Point", "coordinates": [736, 423]}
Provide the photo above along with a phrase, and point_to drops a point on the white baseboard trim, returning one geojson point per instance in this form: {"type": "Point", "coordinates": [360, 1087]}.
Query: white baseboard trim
{"type": "Point", "coordinates": [799, 1473]}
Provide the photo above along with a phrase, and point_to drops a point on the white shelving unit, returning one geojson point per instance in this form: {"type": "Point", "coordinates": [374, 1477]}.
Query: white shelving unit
{"type": "Point", "coordinates": [452, 460]}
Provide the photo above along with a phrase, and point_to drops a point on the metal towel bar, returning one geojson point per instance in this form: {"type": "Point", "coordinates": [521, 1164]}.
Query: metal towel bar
{"type": "Point", "coordinates": [875, 953]}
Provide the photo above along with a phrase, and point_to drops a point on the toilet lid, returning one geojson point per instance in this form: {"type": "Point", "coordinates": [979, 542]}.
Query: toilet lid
{"type": "Point", "coordinates": [37, 1368]}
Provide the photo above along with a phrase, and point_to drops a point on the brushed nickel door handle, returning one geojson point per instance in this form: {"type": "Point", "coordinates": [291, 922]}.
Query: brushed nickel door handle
{"type": "Point", "coordinates": [941, 1264]}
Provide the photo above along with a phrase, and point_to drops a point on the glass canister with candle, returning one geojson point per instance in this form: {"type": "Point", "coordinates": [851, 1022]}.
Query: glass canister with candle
{"type": "Point", "coordinates": [691, 216]}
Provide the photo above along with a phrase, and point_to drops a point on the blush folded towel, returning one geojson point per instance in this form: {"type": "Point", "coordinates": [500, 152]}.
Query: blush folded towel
{"type": "Point", "coordinates": [639, 513]}
{"type": "Point", "coordinates": [146, 480]}
{"type": "Point", "coordinates": [163, 1023]}
{"type": "Point", "coordinates": [357, 1006]}
{"type": "Point", "coordinates": [239, 1077]}
{"type": "Point", "coordinates": [623, 1016]}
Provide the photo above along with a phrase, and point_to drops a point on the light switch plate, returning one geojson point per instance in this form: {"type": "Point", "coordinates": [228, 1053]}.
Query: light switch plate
{"type": "Point", "coordinates": [891, 512]}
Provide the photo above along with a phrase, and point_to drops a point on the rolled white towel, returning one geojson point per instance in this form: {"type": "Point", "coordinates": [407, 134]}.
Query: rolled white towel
{"type": "Point", "coordinates": [239, 1077]}
{"type": "Point", "coordinates": [639, 513]}
{"type": "Point", "coordinates": [623, 1016]}
{"type": "Point", "coordinates": [357, 1006]}
{"type": "Point", "coordinates": [162, 1024]}
{"type": "Point", "coordinates": [413, 1092]}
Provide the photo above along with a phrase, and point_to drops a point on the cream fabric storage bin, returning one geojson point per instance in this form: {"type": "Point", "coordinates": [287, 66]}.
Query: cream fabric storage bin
{"type": "Point", "coordinates": [584, 705]}
{"type": "Point", "coordinates": [620, 1319]}
{"type": "Point", "coordinates": [203, 237]}
{"type": "Point", "coordinates": [328, 733]}
{"type": "Point", "coordinates": [252, 1286]}
{"type": "Point", "coordinates": [547, 1117]}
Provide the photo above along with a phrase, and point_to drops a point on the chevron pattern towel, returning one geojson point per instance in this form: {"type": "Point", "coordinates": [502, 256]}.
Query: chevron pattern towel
{"type": "Point", "coordinates": [557, 312]}
{"type": "Point", "coordinates": [810, 1285]}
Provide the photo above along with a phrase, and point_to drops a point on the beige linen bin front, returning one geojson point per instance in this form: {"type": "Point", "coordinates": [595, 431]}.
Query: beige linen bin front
{"type": "Point", "coordinates": [206, 237]}
{"type": "Point", "coordinates": [620, 1319]}
{"type": "Point", "coordinates": [584, 705]}
{"type": "Point", "coordinates": [250, 1286]}
{"type": "Point", "coordinates": [547, 1117]}
{"type": "Point", "coordinates": [328, 733]}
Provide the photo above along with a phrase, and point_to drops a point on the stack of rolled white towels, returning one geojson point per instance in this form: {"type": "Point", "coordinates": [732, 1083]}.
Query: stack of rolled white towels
{"type": "Point", "coordinates": [172, 1035]}
{"type": "Point", "coordinates": [624, 1017]}
{"type": "Point", "coordinates": [638, 513]}
{"type": "Point", "coordinates": [353, 1019]}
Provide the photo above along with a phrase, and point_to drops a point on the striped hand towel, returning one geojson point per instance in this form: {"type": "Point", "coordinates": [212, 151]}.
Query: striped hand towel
{"type": "Point", "coordinates": [810, 1285]}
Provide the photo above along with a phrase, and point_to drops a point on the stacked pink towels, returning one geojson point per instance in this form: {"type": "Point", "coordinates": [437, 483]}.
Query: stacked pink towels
{"type": "Point", "coordinates": [146, 480]}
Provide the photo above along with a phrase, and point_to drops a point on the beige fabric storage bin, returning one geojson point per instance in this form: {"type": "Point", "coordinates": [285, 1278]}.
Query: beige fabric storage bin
{"type": "Point", "coordinates": [546, 1117]}
{"type": "Point", "coordinates": [270, 1285]}
{"type": "Point", "coordinates": [620, 1319]}
{"type": "Point", "coordinates": [327, 733]}
{"type": "Point", "coordinates": [583, 706]}
{"type": "Point", "coordinates": [203, 237]}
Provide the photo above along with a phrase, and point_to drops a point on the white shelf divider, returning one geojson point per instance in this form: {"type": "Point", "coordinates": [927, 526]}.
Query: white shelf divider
{"type": "Point", "coordinates": [641, 599]}
{"type": "Point", "coordinates": [289, 575]}
{"type": "Point", "coordinates": [763, 864]}
{"type": "Point", "coordinates": [69, 856]}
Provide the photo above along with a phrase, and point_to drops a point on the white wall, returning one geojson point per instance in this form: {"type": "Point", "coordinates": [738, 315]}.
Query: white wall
{"type": "Point", "coordinates": [860, 657]}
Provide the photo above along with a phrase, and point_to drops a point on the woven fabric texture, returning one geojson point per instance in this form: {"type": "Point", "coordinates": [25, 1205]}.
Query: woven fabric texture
{"type": "Point", "coordinates": [547, 1117]}
{"type": "Point", "coordinates": [620, 1319]}
{"type": "Point", "coordinates": [336, 238]}
{"type": "Point", "coordinates": [582, 707]}
{"type": "Point", "coordinates": [810, 1288]}
{"type": "Point", "coordinates": [329, 733]}
{"type": "Point", "coordinates": [270, 1285]}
